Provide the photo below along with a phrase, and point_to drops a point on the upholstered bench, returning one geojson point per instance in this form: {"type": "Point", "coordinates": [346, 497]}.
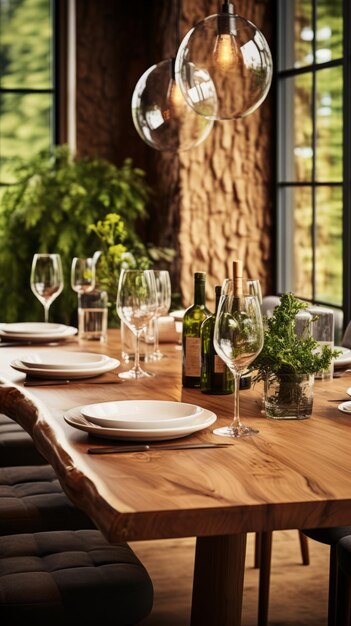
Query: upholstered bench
{"type": "Point", "coordinates": [32, 500]}
{"type": "Point", "coordinates": [16, 445]}
{"type": "Point", "coordinates": [71, 578]}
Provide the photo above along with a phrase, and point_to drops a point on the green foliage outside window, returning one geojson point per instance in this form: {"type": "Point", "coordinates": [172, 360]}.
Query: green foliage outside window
{"type": "Point", "coordinates": [26, 61]}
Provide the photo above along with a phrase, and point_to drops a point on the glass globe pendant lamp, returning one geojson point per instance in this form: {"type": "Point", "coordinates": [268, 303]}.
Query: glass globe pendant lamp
{"type": "Point", "coordinates": [161, 114]}
{"type": "Point", "coordinates": [224, 66]}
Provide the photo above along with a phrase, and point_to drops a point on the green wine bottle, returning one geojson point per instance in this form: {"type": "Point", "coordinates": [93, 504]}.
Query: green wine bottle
{"type": "Point", "coordinates": [216, 377]}
{"type": "Point", "coordinates": [192, 320]}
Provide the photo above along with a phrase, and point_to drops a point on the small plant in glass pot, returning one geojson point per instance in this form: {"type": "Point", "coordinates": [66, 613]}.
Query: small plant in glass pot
{"type": "Point", "coordinates": [288, 362]}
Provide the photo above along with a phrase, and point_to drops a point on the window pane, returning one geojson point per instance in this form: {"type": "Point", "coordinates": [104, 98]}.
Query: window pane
{"type": "Point", "coordinates": [297, 33]}
{"type": "Point", "coordinates": [329, 150]}
{"type": "Point", "coordinates": [295, 252]}
{"type": "Point", "coordinates": [329, 245]}
{"type": "Point", "coordinates": [302, 237]}
{"type": "Point", "coordinates": [25, 124]}
{"type": "Point", "coordinates": [25, 44]}
{"type": "Point", "coordinates": [295, 124]}
{"type": "Point", "coordinates": [329, 31]}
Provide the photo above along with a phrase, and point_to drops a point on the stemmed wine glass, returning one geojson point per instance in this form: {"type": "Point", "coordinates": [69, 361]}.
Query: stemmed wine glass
{"type": "Point", "coordinates": [46, 279]}
{"type": "Point", "coordinates": [163, 292]}
{"type": "Point", "coordinates": [136, 306]}
{"type": "Point", "coordinates": [83, 275]}
{"type": "Point", "coordinates": [238, 339]}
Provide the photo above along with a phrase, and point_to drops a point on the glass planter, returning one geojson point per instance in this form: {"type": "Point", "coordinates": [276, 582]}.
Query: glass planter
{"type": "Point", "coordinates": [287, 397]}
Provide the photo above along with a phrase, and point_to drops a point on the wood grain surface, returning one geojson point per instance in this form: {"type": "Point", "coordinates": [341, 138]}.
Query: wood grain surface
{"type": "Point", "coordinates": [293, 474]}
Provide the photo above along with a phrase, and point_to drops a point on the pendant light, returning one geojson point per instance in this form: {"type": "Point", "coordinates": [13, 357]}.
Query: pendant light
{"type": "Point", "coordinates": [224, 66]}
{"type": "Point", "coordinates": [160, 112]}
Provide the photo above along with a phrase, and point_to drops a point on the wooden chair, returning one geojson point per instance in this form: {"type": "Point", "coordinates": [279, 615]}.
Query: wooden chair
{"type": "Point", "coordinates": [263, 555]}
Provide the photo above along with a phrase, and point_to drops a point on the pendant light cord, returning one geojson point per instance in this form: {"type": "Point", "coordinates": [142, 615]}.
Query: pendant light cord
{"type": "Point", "coordinates": [178, 20]}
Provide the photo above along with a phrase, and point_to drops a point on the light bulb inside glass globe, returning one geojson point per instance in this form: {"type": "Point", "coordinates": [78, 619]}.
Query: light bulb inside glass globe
{"type": "Point", "coordinates": [224, 66]}
{"type": "Point", "coordinates": [161, 114]}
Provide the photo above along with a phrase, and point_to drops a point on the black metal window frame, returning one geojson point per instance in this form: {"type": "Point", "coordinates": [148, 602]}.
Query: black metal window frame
{"type": "Point", "coordinates": [345, 183]}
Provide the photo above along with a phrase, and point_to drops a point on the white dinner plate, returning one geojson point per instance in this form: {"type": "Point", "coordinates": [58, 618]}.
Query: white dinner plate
{"type": "Point", "coordinates": [58, 360]}
{"type": "Point", "coordinates": [32, 328]}
{"type": "Point", "coordinates": [77, 420]}
{"type": "Point", "coordinates": [344, 358]}
{"type": "Point", "coordinates": [111, 364]}
{"type": "Point", "coordinates": [61, 335]}
{"type": "Point", "coordinates": [144, 414]}
{"type": "Point", "coordinates": [345, 407]}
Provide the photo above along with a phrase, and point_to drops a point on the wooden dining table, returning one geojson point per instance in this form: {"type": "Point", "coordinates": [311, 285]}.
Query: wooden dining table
{"type": "Point", "coordinates": [292, 474]}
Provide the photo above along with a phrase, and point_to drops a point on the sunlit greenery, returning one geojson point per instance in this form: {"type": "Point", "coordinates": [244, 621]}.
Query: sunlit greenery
{"type": "Point", "coordinates": [26, 64]}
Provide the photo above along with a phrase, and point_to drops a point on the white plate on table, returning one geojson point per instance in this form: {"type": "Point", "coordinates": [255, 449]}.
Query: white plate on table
{"type": "Point", "coordinates": [75, 418]}
{"type": "Point", "coordinates": [58, 360]}
{"type": "Point", "coordinates": [142, 414]}
{"type": "Point", "coordinates": [32, 328]}
{"type": "Point", "coordinates": [343, 359]}
{"type": "Point", "coordinates": [40, 337]}
{"type": "Point", "coordinates": [86, 372]}
{"type": "Point", "coordinates": [345, 407]}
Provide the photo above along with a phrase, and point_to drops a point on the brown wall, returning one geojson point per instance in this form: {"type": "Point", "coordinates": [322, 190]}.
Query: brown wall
{"type": "Point", "coordinates": [212, 203]}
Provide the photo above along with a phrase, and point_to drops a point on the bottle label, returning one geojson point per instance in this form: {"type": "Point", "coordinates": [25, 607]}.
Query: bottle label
{"type": "Point", "coordinates": [219, 365]}
{"type": "Point", "coordinates": [192, 356]}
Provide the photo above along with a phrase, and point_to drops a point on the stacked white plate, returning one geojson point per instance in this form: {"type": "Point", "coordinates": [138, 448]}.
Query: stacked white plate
{"type": "Point", "coordinates": [344, 358]}
{"type": "Point", "coordinates": [39, 332]}
{"type": "Point", "coordinates": [145, 420]}
{"type": "Point", "coordinates": [62, 364]}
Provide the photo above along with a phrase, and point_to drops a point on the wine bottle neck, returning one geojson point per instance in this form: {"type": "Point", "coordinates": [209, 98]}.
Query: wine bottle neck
{"type": "Point", "coordinates": [237, 278]}
{"type": "Point", "coordinates": [218, 296]}
{"type": "Point", "coordinates": [200, 295]}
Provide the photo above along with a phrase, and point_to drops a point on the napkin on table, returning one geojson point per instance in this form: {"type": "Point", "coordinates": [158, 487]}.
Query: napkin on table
{"type": "Point", "coordinates": [168, 331]}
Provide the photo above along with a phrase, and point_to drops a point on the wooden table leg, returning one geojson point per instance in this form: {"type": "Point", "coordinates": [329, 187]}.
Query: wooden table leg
{"type": "Point", "coordinates": [218, 580]}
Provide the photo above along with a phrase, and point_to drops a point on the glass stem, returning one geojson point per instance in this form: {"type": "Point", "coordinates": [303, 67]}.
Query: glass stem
{"type": "Point", "coordinates": [156, 336]}
{"type": "Point", "coordinates": [46, 312]}
{"type": "Point", "coordinates": [137, 353]}
{"type": "Point", "coordinates": [236, 419]}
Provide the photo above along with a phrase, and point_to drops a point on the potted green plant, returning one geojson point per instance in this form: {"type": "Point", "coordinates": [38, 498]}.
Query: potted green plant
{"type": "Point", "coordinates": [54, 200]}
{"type": "Point", "coordinates": [288, 362]}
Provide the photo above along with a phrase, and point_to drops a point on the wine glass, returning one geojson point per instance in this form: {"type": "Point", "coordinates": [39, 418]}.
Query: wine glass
{"type": "Point", "coordinates": [238, 339]}
{"type": "Point", "coordinates": [46, 279]}
{"type": "Point", "coordinates": [163, 292]}
{"type": "Point", "coordinates": [136, 306]}
{"type": "Point", "coordinates": [83, 275]}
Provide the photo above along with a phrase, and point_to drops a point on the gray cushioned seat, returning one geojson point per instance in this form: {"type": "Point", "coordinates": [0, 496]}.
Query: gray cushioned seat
{"type": "Point", "coordinates": [71, 578]}
{"type": "Point", "coordinates": [16, 445]}
{"type": "Point", "coordinates": [343, 554]}
{"type": "Point", "coordinates": [331, 537]}
{"type": "Point", "coordinates": [32, 500]}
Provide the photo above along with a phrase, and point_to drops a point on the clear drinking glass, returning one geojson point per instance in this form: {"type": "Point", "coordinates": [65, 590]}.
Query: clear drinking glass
{"type": "Point", "coordinates": [46, 279]}
{"type": "Point", "coordinates": [238, 339]}
{"type": "Point", "coordinates": [136, 306]}
{"type": "Point", "coordinates": [163, 291]}
{"type": "Point", "coordinates": [83, 275]}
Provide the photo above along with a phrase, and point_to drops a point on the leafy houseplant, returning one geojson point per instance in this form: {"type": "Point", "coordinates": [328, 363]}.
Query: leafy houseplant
{"type": "Point", "coordinates": [50, 208]}
{"type": "Point", "coordinates": [288, 362]}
